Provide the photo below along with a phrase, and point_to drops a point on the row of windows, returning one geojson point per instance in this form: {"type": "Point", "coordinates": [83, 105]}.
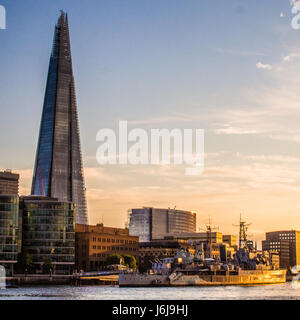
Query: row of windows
{"type": "Point", "coordinates": [61, 235]}
{"type": "Point", "coordinates": [51, 251]}
{"type": "Point", "coordinates": [6, 215]}
{"type": "Point", "coordinates": [55, 258]}
{"type": "Point", "coordinates": [95, 239]}
{"type": "Point", "coordinates": [48, 227]}
{"type": "Point", "coordinates": [8, 256]}
{"type": "Point", "coordinates": [39, 243]}
{"type": "Point", "coordinates": [39, 221]}
{"type": "Point", "coordinates": [9, 249]}
{"type": "Point", "coordinates": [9, 199]}
{"type": "Point", "coordinates": [9, 207]}
{"type": "Point", "coordinates": [98, 255]}
{"type": "Point", "coordinates": [7, 240]}
{"type": "Point", "coordinates": [116, 248]}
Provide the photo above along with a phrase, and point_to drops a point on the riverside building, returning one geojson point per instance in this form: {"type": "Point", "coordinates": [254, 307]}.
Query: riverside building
{"type": "Point", "coordinates": [10, 240]}
{"type": "Point", "coordinates": [95, 243]}
{"type": "Point", "coordinates": [149, 223]}
{"type": "Point", "coordinates": [287, 244]}
{"type": "Point", "coordinates": [48, 232]}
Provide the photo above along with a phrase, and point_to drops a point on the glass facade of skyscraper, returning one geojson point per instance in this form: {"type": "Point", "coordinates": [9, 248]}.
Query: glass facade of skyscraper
{"type": "Point", "coordinates": [9, 231]}
{"type": "Point", "coordinates": [49, 232]}
{"type": "Point", "coordinates": [58, 171]}
{"type": "Point", "coordinates": [45, 148]}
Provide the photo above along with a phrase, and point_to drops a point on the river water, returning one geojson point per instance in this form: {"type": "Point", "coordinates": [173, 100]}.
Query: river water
{"type": "Point", "coordinates": [277, 291]}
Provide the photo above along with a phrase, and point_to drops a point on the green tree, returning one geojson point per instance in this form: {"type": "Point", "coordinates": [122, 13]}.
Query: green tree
{"type": "Point", "coordinates": [25, 263]}
{"type": "Point", "coordinates": [130, 261]}
{"type": "Point", "coordinates": [114, 259]}
{"type": "Point", "coordinates": [47, 266]}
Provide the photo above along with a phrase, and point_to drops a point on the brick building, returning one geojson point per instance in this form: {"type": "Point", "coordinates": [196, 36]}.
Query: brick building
{"type": "Point", "coordinates": [287, 244]}
{"type": "Point", "coordinates": [95, 243]}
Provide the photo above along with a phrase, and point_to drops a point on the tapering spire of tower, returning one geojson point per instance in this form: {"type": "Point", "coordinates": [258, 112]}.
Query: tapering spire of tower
{"type": "Point", "coordinates": [58, 167]}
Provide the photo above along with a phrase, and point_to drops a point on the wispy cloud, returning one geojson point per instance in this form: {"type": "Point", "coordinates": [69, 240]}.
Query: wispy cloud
{"type": "Point", "coordinates": [261, 65]}
{"type": "Point", "coordinates": [291, 56]}
{"type": "Point", "coordinates": [294, 2]}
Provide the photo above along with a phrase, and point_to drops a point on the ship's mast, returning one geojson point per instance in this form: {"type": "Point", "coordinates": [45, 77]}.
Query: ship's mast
{"type": "Point", "coordinates": [243, 226]}
{"type": "Point", "coordinates": [209, 229]}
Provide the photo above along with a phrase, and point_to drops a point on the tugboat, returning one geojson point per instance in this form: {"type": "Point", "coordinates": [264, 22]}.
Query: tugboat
{"type": "Point", "coordinates": [248, 267]}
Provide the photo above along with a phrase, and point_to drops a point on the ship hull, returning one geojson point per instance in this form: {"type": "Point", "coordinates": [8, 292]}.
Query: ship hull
{"type": "Point", "coordinates": [243, 278]}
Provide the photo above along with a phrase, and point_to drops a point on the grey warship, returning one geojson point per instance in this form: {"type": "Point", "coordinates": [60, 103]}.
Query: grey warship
{"type": "Point", "coordinates": [248, 267]}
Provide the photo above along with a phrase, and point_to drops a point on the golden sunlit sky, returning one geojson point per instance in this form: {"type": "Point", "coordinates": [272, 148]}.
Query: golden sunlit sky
{"type": "Point", "coordinates": [232, 71]}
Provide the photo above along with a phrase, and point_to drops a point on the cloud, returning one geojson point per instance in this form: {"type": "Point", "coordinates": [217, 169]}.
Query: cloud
{"type": "Point", "coordinates": [261, 65]}
{"type": "Point", "coordinates": [234, 130]}
{"type": "Point", "coordinates": [269, 158]}
{"type": "Point", "coordinates": [291, 56]}
{"type": "Point", "coordinates": [294, 2]}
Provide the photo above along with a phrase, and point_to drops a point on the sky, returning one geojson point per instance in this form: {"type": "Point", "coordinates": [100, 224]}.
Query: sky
{"type": "Point", "coordinates": [228, 67]}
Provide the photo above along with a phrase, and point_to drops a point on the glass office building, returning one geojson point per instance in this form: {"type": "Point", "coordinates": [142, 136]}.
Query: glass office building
{"type": "Point", "coordinates": [58, 169]}
{"type": "Point", "coordinates": [9, 231]}
{"type": "Point", "coordinates": [154, 223]}
{"type": "Point", "coordinates": [49, 232]}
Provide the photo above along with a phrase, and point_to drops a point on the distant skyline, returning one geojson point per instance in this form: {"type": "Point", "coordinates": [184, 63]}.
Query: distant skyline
{"type": "Point", "coordinates": [231, 68]}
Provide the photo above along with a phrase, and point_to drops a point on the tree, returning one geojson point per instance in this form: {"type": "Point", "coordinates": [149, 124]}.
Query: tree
{"type": "Point", "coordinates": [25, 263]}
{"type": "Point", "coordinates": [130, 261]}
{"type": "Point", "coordinates": [47, 266]}
{"type": "Point", "coordinates": [114, 259]}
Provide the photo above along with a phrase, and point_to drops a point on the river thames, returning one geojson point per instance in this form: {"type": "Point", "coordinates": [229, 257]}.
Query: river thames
{"type": "Point", "coordinates": [268, 292]}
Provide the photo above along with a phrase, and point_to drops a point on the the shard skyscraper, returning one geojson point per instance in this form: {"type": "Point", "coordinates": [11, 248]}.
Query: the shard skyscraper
{"type": "Point", "coordinates": [58, 166]}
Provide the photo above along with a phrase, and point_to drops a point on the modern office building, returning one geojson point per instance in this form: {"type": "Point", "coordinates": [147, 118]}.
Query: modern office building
{"type": "Point", "coordinates": [95, 243]}
{"type": "Point", "coordinates": [10, 224]}
{"type": "Point", "coordinates": [287, 244]}
{"type": "Point", "coordinates": [58, 171]}
{"type": "Point", "coordinates": [10, 240]}
{"type": "Point", "coordinates": [9, 183]}
{"type": "Point", "coordinates": [48, 232]}
{"type": "Point", "coordinates": [152, 223]}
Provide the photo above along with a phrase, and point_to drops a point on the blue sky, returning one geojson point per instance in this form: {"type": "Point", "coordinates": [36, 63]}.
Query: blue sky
{"type": "Point", "coordinates": [227, 66]}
